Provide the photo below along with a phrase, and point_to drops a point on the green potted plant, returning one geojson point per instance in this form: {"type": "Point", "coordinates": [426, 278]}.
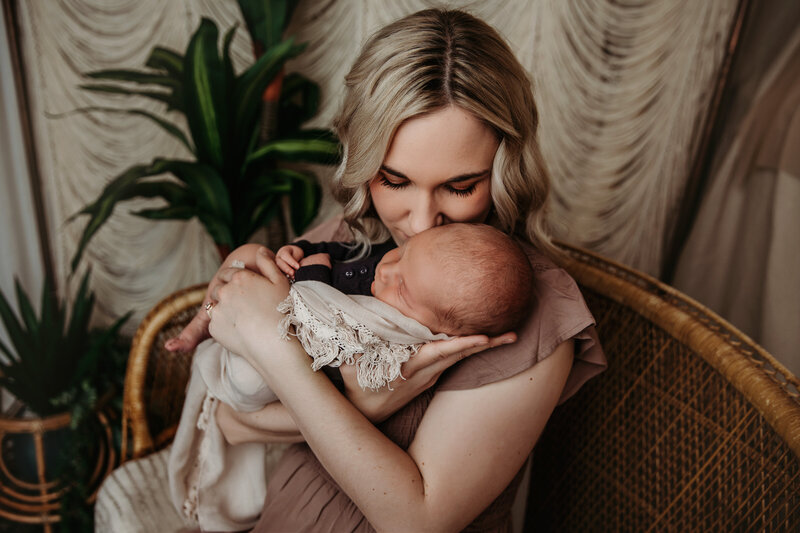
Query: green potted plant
{"type": "Point", "coordinates": [241, 128]}
{"type": "Point", "coordinates": [54, 436]}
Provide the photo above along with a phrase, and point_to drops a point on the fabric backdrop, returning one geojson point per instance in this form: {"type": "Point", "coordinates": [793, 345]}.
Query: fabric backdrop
{"type": "Point", "coordinates": [742, 258]}
{"type": "Point", "coordinates": [622, 86]}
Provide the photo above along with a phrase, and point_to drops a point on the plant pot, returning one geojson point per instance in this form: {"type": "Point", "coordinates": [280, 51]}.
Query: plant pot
{"type": "Point", "coordinates": [30, 458]}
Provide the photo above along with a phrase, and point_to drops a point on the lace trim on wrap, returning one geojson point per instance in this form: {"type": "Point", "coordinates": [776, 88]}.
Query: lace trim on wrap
{"type": "Point", "coordinates": [191, 503]}
{"type": "Point", "coordinates": [340, 343]}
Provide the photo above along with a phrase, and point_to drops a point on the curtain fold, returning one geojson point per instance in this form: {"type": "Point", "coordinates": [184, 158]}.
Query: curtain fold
{"type": "Point", "coordinates": [623, 88]}
{"type": "Point", "coordinates": [742, 258]}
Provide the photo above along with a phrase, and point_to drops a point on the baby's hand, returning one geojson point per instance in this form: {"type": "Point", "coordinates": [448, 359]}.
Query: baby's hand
{"type": "Point", "coordinates": [288, 259]}
{"type": "Point", "coordinates": [316, 259]}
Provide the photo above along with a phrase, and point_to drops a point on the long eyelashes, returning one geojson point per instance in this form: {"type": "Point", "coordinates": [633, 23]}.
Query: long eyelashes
{"type": "Point", "coordinates": [463, 192]}
{"type": "Point", "coordinates": [466, 191]}
{"type": "Point", "coordinates": [386, 183]}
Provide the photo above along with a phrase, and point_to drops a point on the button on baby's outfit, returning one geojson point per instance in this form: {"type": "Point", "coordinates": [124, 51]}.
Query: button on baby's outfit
{"type": "Point", "coordinates": [363, 270]}
{"type": "Point", "coordinates": [349, 274]}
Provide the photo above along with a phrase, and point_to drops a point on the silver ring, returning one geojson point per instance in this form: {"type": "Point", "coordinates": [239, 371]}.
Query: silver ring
{"type": "Point", "coordinates": [209, 307]}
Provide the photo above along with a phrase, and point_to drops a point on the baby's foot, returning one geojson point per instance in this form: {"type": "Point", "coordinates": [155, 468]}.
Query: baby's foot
{"type": "Point", "coordinates": [193, 334]}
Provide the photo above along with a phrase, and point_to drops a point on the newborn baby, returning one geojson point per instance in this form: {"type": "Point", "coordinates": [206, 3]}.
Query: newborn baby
{"type": "Point", "coordinates": [457, 279]}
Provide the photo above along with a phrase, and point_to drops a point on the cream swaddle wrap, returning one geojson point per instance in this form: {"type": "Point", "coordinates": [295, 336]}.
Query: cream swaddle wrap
{"type": "Point", "coordinates": [222, 487]}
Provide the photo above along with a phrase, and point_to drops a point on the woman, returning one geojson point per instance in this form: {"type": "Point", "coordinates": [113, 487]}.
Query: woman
{"type": "Point", "coordinates": [438, 126]}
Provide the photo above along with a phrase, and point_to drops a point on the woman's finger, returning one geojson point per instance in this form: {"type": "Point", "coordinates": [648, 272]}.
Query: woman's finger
{"type": "Point", "coordinates": [436, 357]}
{"type": "Point", "coordinates": [268, 267]}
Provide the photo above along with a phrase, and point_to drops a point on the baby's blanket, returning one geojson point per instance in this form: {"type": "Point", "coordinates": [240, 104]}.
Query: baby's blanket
{"type": "Point", "coordinates": [222, 487]}
{"type": "Point", "coordinates": [334, 328]}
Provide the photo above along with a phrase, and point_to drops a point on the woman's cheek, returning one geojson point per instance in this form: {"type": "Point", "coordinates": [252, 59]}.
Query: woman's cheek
{"type": "Point", "coordinates": [474, 208]}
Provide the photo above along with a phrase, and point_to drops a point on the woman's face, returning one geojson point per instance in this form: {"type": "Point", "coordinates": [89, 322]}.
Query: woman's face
{"type": "Point", "coordinates": [437, 171]}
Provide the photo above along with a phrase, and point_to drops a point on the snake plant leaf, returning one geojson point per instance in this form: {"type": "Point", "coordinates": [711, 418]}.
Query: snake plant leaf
{"type": "Point", "coordinates": [299, 102]}
{"type": "Point", "coordinates": [205, 95]}
{"type": "Point", "coordinates": [81, 309]}
{"type": "Point", "coordinates": [11, 356]}
{"type": "Point", "coordinates": [166, 125]}
{"type": "Point", "coordinates": [266, 20]}
{"type": "Point", "coordinates": [159, 96]}
{"type": "Point", "coordinates": [314, 148]}
{"type": "Point", "coordinates": [168, 61]}
{"type": "Point", "coordinates": [251, 84]}
{"type": "Point", "coordinates": [99, 340]}
{"type": "Point", "coordinates": [52, 318]}
{"type": "Point", "coordinates": [15, 330]}
{"type": "Point", "coordinates": [25, 308]}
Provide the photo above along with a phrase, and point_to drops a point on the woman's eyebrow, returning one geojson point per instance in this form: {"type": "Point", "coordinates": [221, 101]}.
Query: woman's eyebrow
{"type": "Point", "coordinates": [460, 177]}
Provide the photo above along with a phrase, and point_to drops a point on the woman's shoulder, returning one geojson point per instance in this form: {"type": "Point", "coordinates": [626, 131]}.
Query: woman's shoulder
{"type": "Point", "coordinates": [558, 313]}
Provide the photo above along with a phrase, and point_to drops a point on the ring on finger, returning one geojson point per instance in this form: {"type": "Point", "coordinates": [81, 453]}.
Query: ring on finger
{"type": "Point", "coordinates": [209, 307]}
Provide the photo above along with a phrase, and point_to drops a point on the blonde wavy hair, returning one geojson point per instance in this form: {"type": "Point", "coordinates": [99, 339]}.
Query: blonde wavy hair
{"type": "Point", "coordinates": [420, 64]}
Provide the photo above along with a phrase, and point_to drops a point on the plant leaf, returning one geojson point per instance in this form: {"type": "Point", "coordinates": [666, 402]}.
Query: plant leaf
{"type": "Point", "coordinates": [263, 213]}
{"type": "Point", "coordinates": [204, 94]}
{"type": "Point", "coordinates": [167, 60]}
{"type": "Point", "coordinates": [169, 127]}
{"type": "Point", "coordinates": [266, 20]}
{"type": "Point", "coordinates": [211, 195]}
{"type": "Point", "coordinates": [79, 316]}
{"type": "Point", "coordinates": [171, 212]}
{"type": "Point", "coordinates": [299, 102]}
{"type": "Point", "coordinates": [118, 189]}
{"type": "Point", "coordinates": [303, 201]}
{"type": "Point", "coordinates": [251, 84]}
{"type": "Point", "coordinates": [19, 337]}
{"type": "Point", "coordinates": [159, 96]}
{"type": "Point", "coordinates": [230, 74]}
{"type": "Point", "coordinates": [135, 76]}
{"type": "Point", "coordinates": [26, 309]}
{"type": "Point", "coordinates": [173, 193]}
{"type": "Point", "coordinates": [307, 150]}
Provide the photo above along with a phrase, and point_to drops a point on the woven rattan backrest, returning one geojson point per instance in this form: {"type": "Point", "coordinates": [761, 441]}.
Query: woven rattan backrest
{"type": "Point", "coordinates": [155, 380]}
{"type": "Point", "coordinates": [692, 428]}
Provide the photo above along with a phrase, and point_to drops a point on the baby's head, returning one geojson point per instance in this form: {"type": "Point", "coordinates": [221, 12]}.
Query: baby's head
{"type": "Point", "coordinates": [459, 279]}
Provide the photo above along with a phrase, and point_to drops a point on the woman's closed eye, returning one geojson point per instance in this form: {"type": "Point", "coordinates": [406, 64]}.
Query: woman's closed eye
{"type": "Point", "coordinates": [461, 190]}
{"type": "Point", "coordinates": [393, 182]}
{"type": "Point", "coordinates": [457, 188]}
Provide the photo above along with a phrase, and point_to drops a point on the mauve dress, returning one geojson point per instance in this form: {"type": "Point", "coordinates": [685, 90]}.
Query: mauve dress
{"type": "Point", "coordinates": [301, 495]}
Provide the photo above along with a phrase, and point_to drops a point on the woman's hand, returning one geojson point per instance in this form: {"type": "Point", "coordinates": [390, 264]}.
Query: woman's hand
{"type": "Point", "coordinates": [245, 317]}
{"type": "Point", "coordinates": [420, 373]}
{"type": "Point", "coordinates": [196, 331]}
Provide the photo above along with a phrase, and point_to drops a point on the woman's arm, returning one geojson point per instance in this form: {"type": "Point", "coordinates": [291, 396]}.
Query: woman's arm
{"type": "Point", "coordinates": [467, 449]}
{"type": "Point", "coordinates": [272, 423]}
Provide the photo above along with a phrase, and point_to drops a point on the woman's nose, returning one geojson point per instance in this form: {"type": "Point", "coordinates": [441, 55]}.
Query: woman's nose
{"type": "Point", "coordinates": [424, 215]}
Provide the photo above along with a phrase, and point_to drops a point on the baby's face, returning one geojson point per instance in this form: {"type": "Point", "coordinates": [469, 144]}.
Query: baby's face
{"type": "Point", "coordinates": [407, 280]}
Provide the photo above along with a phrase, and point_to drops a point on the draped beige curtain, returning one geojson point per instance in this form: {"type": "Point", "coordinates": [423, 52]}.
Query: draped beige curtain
{"type": "Point", "coordinates": [742, 258]}
{"type": "Point", "coordinates": [622, 85]}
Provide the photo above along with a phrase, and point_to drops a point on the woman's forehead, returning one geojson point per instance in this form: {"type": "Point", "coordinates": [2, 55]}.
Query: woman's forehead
{"type": "Point", "coordinates": [442, 145]}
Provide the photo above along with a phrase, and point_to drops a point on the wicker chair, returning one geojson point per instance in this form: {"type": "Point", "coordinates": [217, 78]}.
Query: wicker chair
{"type": "Point", "coordinates": [692, 427]}
{"type": "Point", "coordinates": [155, 381]}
